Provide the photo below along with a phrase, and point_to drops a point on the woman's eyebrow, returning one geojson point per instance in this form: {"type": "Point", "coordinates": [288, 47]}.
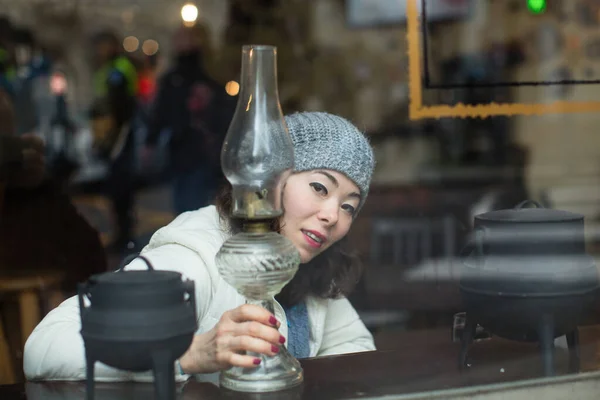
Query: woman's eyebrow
{"type": "Point", "coordinates": [331, 177]}
{"type": "Point", "coordinates": [336, 183]}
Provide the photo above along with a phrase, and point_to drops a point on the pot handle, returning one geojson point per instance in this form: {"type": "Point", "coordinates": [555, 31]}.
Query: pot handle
{"type": "Point", "coordinates": [525, 202]}
{"type": "Point", "coordinates": [132, 257]}
{"type": "Point", "coordinates": [189, 287]}
{"type": "Point", "coordinates": [83, 289]}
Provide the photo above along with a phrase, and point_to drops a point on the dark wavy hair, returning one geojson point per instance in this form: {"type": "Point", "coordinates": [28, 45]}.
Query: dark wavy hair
{"type": "Point", "coordinates": [332, 274]}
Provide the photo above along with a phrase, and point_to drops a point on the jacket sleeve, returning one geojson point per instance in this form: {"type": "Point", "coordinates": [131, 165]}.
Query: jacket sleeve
{"type": "Point", "coordinates": [344, 332]}
{"type": "Point", "coordinates": [55, 349]}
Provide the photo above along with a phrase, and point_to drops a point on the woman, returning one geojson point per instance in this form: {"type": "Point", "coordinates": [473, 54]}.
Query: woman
{"type": "Point", "coordinates": [333, 167]}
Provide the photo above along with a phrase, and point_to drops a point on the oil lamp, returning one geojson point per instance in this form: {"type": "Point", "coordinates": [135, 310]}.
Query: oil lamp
{"type": "Point", "coordinates": [256, 158]}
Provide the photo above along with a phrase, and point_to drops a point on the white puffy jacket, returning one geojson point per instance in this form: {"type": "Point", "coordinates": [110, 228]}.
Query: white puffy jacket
{"type": "Point", "coordinates": [55, 349]}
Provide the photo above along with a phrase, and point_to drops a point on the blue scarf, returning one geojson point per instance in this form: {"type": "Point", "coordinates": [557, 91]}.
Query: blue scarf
{"type": "Point", "coordinates": [298, 330]}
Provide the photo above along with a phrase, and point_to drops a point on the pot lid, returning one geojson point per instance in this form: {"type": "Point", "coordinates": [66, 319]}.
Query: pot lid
{"type": "Point", "coordinates": [523, 214]}
{"type": "Point", "coordinates": [137, 278]}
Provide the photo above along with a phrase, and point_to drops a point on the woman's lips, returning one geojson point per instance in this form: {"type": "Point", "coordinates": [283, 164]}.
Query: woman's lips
{"type": "Point", "coordinates": [311, 242]}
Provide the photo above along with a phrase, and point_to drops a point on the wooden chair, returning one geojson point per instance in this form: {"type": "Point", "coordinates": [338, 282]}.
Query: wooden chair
{"type": "Point", "coordinates": [36, 293]}
{"type": "Point", "coordinates": [409, 268]}
{"type": "Point", "coordinates": [412, 239]}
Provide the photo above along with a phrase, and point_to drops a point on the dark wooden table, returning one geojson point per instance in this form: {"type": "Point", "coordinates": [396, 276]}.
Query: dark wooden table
{"type": "Point", "coordinates": [415, 361]}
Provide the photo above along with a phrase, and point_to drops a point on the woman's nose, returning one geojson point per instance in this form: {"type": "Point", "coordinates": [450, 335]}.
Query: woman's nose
{"type": "Point", "coordinates": [329, 214]}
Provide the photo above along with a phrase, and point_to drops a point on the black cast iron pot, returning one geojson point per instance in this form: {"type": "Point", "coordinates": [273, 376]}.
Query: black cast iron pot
{"type": "Point", "coordinates": [526, 276]}
{"type": "Point", "coordinates": [138, 321]}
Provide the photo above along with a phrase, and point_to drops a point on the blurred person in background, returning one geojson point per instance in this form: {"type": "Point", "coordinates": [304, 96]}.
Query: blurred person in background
{"type": "Point", "coordinates": [62, 129]}
{"type": "Point", "coordinates": [26, 110]}
{"type": "Point", "coordinates": [146, 72]}
{"type": "Point", "coordinates": [147, 80]}
{"type": "Point", "coordinates": [40, 105]}
{"type": "Point", "coordinates": [8, 73]}
{"type": "Point", "coordinates": [34, 101]}
{"type": "Point", "coordinates": [195, 110]}
{"type": "Point", "coordinates": [113, 111]}
{"type": "Point", "coordinates": [39, 226]}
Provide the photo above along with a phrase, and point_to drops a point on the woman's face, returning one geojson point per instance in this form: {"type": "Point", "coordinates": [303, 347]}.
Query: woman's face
{"type": "Point", "coordinates": [319, 208]}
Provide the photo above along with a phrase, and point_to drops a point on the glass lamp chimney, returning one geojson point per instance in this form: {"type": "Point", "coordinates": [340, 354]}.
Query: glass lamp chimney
{"type": "Point", "coordinates": [257, 154]}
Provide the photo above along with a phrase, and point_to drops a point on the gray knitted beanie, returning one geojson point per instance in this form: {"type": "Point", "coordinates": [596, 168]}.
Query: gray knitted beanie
{"type": "Point", "coordinates": [326, 141]}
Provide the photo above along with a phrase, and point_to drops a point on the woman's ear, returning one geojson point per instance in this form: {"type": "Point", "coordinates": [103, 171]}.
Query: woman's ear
{"type": "Point", "coordinates": [279, 190]}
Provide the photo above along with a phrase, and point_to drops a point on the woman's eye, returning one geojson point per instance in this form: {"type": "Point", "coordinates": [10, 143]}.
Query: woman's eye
{"type": "Point", "coordinates": [349, 209]}
{"type": "Point", "coordinates": [319, 188]}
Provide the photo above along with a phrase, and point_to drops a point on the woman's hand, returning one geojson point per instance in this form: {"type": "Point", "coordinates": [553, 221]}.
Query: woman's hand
{"type": "Point", "coordinates": [245, 328]}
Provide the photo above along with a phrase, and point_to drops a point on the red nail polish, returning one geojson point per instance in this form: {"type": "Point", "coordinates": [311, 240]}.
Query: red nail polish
{"type": "Point", "coordinates": [274, 349]}
{"type": "Point", "coordinates": [273, 320]}
{"type": "Point", "coordinates": [281, 339]}
{"type": "Point", "coordinates": [256, 361]}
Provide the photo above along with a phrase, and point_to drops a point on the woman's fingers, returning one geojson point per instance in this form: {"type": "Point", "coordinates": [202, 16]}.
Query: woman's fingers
{"type": "Point", "coordinates": [260, 331]}
{"type": "Point", "coordinates": [252, 344]}
{"type": "Point", "coordinates": [251, 312]}
{"type": "Point", "coordinates": [247, 328]}
{"type": "Point", "coordinates": [244, 361]}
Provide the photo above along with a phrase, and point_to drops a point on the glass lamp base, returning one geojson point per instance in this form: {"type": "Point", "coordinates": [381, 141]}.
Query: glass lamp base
{"type": "Point", "coordinates": [275, 373]}
{"type": "Point", "coordinates": [258, 265]}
